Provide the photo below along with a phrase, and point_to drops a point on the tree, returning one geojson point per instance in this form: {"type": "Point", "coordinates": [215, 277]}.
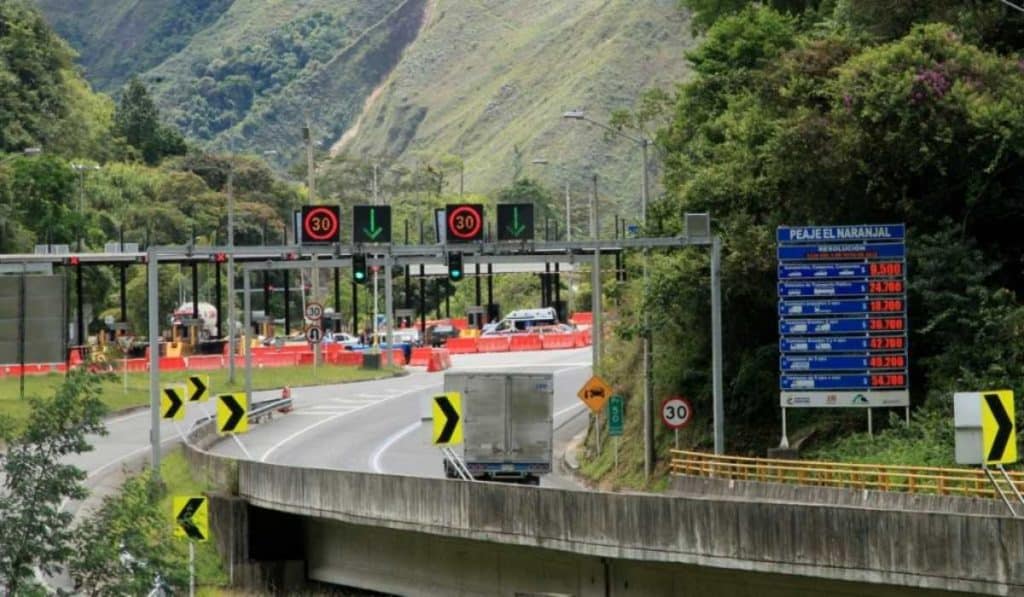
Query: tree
{"type": "Point", "coordinates": [138, 121]}
{"type": "Point", "coordinates": [36, 531]}
{"type": "Point", "coordinates": [126, 544]}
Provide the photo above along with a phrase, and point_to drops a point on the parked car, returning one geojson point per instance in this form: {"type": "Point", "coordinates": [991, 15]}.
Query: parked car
{"type": "Point", "coordinates": [346, 340]}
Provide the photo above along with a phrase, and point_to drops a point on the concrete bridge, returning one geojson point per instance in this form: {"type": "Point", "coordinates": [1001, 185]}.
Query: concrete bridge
{"type": "Point", "coordinates": [285, 527]}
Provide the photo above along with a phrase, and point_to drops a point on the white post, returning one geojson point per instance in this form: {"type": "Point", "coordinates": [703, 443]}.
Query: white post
{"type": "Point", "coordinates": [153, 275]}
{"type": "Point", "coordinates": [389, 309]}
{"type": "Point", "coordinates": [232, 347]}
{"type": "Point", "coordinates": [716, 344]}
{"type": "Point", "coordinates": [191, 568]}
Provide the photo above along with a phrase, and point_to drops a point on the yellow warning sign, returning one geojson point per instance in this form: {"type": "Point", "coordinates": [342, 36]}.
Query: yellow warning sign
{"type": "Point", "coordinates": [172, 401]}
{"type": "Point", "coordinates": [998, 427]}
{"type": "Point", "coordinates": [232, 413]}
{"type": "Point", "coordinates": [595, 393]}
{"type": "Point", "coordinates": [191, 517]}
{"type": "Point", "coordinates": [448, 418]}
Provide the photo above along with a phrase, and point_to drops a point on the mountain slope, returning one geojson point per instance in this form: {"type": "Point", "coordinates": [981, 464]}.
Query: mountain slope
{"type": "Point", "coordinates": [487, 76]}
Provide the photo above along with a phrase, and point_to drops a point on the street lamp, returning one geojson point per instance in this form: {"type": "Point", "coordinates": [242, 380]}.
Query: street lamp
{"type": "Point", "coordinates": [645, 334]}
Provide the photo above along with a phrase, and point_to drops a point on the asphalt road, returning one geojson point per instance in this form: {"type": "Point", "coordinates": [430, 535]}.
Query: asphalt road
{"type": "Point", "coordinates": [378, 426]}
{"type": "Point", "coordinates": [372, 426]}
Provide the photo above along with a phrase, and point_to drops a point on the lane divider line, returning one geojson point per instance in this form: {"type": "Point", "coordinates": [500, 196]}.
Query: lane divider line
{"type": "Point", "coordinates": [379, 452]}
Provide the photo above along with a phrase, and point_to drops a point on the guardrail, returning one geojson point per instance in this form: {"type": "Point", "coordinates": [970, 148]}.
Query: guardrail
{"type": "Point", "coordinates": [909, 479]}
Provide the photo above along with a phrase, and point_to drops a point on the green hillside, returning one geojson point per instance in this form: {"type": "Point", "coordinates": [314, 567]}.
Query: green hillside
{"type": "Point", "coordinates": [486, 78]}
{"type": "Point", "coordinates": [481, 79]}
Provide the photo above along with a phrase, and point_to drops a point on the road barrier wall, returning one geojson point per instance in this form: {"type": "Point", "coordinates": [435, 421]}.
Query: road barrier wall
{"type": "Point", "coordinates": [525, 342]}
{"type": "Point", "coordinates": [461, 345]}
{"type": "Point", "coordinates": [492, 344]}
{"type": "Point", "coordinates": [950, 551]}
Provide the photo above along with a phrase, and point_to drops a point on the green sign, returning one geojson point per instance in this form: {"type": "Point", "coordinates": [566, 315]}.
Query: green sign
{"type": "Point", "coordinates": [515, 221]}
{"type": "Point", "coordinates": [616, 415]}
{"type": "Point", "coordinates": [371, 224]}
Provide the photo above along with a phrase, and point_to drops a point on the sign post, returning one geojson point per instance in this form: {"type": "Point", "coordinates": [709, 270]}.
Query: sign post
{"type": "Point", "coordinates": [842, 318]}
{"type": "Point", "coordinates": [595, 394]}
{"type": "Point", "coordinates": [191, 517]}
{"type": "Point", "coordinates": [676, 413]}
{"type": "Point", "coordinates": [986, 434]}
{"type": "Point", "coordinates": [314, 333]}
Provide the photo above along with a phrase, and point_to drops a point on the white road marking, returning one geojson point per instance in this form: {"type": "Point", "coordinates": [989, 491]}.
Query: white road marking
{"type": "Point", "coordinates": [375, 461]}
{"type": "Point", "coordinates": [567, 366]}
{"type": "Point", "coordinates": [291, 437]}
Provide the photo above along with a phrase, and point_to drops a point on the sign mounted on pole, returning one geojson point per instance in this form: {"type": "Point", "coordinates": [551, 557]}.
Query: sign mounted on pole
{"type": "Point", "coordinates": [191, 517]}
{"type": "Point", "coordinates": [447, 418]}
{"type": "Point", "coordinates": [371, 224]}
{"type": "Point", "coordinates": [314, 311]}
{"type": "Point", "coordinates": [986, 431]}
{"type": "Point", "coordinates": [321, 224]}
{"type": "Point", "coordinates": [172, 401]}
{"type": "Point", "coordinates": [232, 411]}
{"type": "Point", "coordinates": [842, 316]}
{"type": "Point", "coordinates": [198, 388]}
{"type": "Point", "coordinates": [515, 221]}
{"type": "Point", "coordinates": [616, 415]}
{"type": "Point", "coordinates": [595, 393]}
{"type": "Point", "coordinates": [464, 222]}
{"type": "Point", "coordinates": [314, 334]}
{"type": "Point", "coordinates": [676, 412]}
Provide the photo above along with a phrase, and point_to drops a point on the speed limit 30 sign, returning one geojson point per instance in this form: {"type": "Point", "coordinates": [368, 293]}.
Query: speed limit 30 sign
{"type": "Point", "coordinates": [676, 412]}
{"type": "Point", "coordinates": [465, 222]}
{"type": "Point", "coordinates": [320, 224]}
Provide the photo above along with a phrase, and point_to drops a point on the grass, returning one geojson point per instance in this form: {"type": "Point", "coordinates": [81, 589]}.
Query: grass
{"type": "Point", "coordinates": [118, 395]}
{"type": "Point", "coordinates": [210, 573]}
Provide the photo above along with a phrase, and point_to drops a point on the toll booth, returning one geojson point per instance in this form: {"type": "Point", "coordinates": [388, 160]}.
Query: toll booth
{"type": "Point", "coordinates": [475, 315]}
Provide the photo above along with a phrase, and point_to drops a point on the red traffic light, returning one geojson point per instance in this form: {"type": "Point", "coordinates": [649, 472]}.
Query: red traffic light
{"type": "Point", "coordinates": [220, 257]}
{"type": "Point", "coordinates": [73, 260]}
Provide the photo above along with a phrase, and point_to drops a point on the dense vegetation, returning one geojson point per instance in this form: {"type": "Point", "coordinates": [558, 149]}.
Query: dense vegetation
{"type": "Point", "coordinates": [805, 113]}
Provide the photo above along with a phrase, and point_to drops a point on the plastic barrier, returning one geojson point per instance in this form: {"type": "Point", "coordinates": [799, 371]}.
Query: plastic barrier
{"type": "Point", "coordinates": [446, 358]}
{"type": "Point", "coordinates": [459, 323]}
{"type": "Point", "coordinates": [461, 345]}
{"type": "Point", "coordinates": [205, 362]}
{"type": "Point", "coordinates": [558, 341]}
{"type": "Point", "coordinates": [75, 356]}
{"type": "Point", "coordinates": [12, 369]}
{"type": "Point", "coordinates": [136, 365]}
{"type": "Point", "coordinates": [439, 361]}
{"type": "Point", "coordinates": [172, 364]}
{"type": "Point", "coordinates": [345, 357]}
{"type": "Point", "coordinates": [582, 338]}
{"type": "Point", "coordinates": [398, 358]}
{"type": "Point", "coordinates": [421, 356]}
{"type": "Point", "coordinates": [492, 344]}
{"type": "Point", "coordinates": [302, 358]}
{"type": "Point", "coordinates": [525, 342]}
{"type": "Point", "coordinates": [582, 318]}
{"type": "Point", "coordinates": [275, 360]}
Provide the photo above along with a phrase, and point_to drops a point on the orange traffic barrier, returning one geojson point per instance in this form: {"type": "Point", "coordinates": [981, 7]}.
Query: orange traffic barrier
{"type": "Point", "coordinates": [492, 344]}
{"type": "Point", "coordinates": [461, 345]}
{"type": "Point", "coordinates": [445, 356]}
{"type": "Point", "coordinates": [421, 356]}
{"type": "Point", "coordinates": [204, 362]}
{"type": "Point", "coordinates": [558, 341]}
{"type": "Point", "coordinates": [526, 342]}
{"type": "Point", "coordinates": [582, 318]}
{"type": "Point", "coordinates": [582, 338]}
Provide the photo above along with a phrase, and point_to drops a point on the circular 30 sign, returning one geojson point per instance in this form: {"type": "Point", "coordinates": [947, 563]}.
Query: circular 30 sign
{"type": "Point", "coordinates": [676, 412]}
{"type": "Point", "coordinates": [320, 223]}
{"type": "Point", "coordinates": [465, 222]}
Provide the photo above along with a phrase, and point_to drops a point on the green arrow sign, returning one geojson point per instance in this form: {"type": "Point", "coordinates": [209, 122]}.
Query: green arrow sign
{"type": "Point", "coordinates": [371, 224]}
{"type": "Point", "coordinates": [515, 221]}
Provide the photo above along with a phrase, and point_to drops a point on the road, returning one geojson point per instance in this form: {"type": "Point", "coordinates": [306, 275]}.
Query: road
{"type": "Point", "coordinates": [378, 426]}
{"type": "Point", "coordinates": [372, 426]}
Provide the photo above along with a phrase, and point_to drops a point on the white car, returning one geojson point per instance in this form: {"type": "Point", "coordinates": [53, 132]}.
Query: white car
{"type": "Point", "coordinates": [347, 340]}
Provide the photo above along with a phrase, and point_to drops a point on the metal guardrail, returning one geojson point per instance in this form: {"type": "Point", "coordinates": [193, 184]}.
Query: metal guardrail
{"type": "Point", "coordinates": [908, 479]}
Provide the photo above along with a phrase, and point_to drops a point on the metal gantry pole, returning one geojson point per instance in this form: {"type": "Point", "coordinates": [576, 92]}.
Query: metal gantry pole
{"type": "Point", "coordinates": [389, 307]}
{"type": "Point", "coordinates": [595, 283]}
{"type": "Point", "coordinates": [716, 344]}
{"type": "Point", "coordinates": [232, 350]}
{"type": "Point", "coordinates": [153, 288]}
{"type": "Point", "coordinates": [247, 316]}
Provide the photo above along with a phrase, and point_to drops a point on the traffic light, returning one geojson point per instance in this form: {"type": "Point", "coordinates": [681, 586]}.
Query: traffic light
{"type": "Point", "coordinates": [455, 270]}
{"type": "Point", "coordinates": [359, 268]}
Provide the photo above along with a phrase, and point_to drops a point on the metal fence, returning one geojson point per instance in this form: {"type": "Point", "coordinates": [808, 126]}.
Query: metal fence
{"type": "Point", "coordinates": [909, 479]}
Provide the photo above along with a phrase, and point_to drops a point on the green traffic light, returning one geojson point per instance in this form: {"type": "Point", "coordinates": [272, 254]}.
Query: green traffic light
{"type": "Point", "coordinates": [456, 274]}
{"type": "Point", "coordinates": [360, 276]}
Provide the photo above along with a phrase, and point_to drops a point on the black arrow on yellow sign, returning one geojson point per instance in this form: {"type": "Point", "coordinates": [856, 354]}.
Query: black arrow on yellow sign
{"type": "Point", "coordinates": [451, 420]}
{"type": "Point", "coordinates": [185, 515]}
{"type": "Point", "coordinates": [175, 400]}
{"type": "Point", "coordinates": [1002, 438]}
{"type": "Point", "coordinates": [236, 412]}
{"type": "Point", "coordinates": [198, 388]}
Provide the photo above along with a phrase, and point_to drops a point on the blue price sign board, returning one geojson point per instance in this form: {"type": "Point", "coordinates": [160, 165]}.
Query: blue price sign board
{"type": "Point", "coordinates": [842, 316]}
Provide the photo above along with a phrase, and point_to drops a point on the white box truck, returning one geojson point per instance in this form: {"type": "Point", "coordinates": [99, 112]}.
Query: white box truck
{"type": "Point", "coordinates": [507, 424]}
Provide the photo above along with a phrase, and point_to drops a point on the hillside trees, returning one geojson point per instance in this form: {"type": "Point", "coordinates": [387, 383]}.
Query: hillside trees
{"type": "Point", "coordinates": [138, 121]}
{"type": "Point", "coordinates": [827, 127]}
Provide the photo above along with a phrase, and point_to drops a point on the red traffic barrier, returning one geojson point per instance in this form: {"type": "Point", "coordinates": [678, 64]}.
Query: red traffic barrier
{"type": "Point", "coordinates": [492, 344]}
{"type": "Point", "coordinates": [526, 342]}
{"type": "Point", "coordinates": [582, 318]}
{"type": "Point", "coordinates": [558, 341]}
{"type": "Point", "coordinates": [346, 357]}
{"type": "Point", "coordinates": [421, 356]}
{"type": "Point", "coordinates": [172, 364]}
{"type": "Point", "coordinates": [461, 345]}
{"type": "Point", "coordinates": [435, 363]}
{"type": "Point", "coordinates": [582, 338]}
{"type": "Point", "coordinates": [205, 362]}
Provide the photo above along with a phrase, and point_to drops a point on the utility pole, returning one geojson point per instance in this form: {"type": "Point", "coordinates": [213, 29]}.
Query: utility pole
{"type": "Point", "coordinates": [645, 335]}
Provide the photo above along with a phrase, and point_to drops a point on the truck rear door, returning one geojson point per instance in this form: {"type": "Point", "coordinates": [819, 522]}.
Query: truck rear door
{"type": "Point", "coordinates": [530, 401]}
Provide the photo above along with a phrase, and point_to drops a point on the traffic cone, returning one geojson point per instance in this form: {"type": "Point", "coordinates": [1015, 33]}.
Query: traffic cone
{"type": "Point", "coordinates": [286, 392]}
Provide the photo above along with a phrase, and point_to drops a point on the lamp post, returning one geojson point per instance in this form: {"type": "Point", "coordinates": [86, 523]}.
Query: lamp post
{"type": "Point", "coordinates": [645, 334]}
